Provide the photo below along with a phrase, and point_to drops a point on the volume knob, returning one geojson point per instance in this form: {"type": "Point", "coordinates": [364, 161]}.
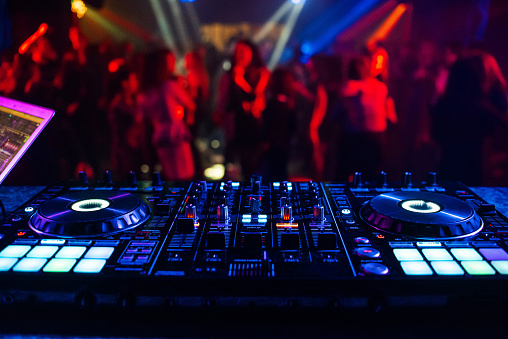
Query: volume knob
{"type": "Point", "coordinates": [222, 213]}
{"type": "Point", "coordinates": [318, 212]}
{"type": "Point", "coordinates": [286, 213]}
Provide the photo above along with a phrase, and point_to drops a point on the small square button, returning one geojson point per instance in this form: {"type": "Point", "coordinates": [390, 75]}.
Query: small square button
{"type": "Point", "coordinates": [15, 251]}
{"type": "Point", "coordinates": [99, 252]}
{"type": "Point", "coordinates": [465, 254]}
{"type": "Point", "coordinates": [416, 268]}
{"type": "Point", "coordinates": [500, 265]}
{"type": "Point", "coordinates": [7, 263]}
{"type": "Point", "coordinates": [478, 267]}
{"type": "Point", "coordinates": [71, 252]}
{"type": "Point", "coordinates": [494, 253]}
{"type": "Point", "coordinates": [42, 252]}
{"type": "Point", "coordinates": [436, 254]}
{"type": "Point", "coordinates": [29, 265]}
{"type": "Point", "coordinates": [59, 265]}
{"type": "Point", "coordinates": [447, 268]}
{"type": "Point", "coordinates": [89, 266]}
{"type": "Point", "coordinates": [407, 254]}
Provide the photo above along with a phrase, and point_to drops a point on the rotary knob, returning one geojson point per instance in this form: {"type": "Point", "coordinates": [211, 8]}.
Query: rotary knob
{"type": "Point", "coordinates": [222, 213]}
{"type": "Point", "coordinates": [318, 213]}
{"type": "Point", "coordinates": [286, 213]}
{"type": "Point", "coordinates": [357, 180]}
{"type": "Point", "coordinates": [381, 180]}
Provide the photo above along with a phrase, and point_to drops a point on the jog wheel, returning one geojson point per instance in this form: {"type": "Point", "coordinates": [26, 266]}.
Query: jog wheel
{"type": "Point", "coordinates": [421, 215]}
{"type": "Point", "coordinates": [89, 214]}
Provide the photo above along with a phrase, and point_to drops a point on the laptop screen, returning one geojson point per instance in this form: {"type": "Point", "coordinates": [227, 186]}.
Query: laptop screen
{"type": "Point", "coordinates": [20, 124]}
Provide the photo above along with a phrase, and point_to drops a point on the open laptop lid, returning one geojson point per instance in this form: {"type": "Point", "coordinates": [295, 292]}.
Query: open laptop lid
{"type": "Point", "coordinates": [20, 124]}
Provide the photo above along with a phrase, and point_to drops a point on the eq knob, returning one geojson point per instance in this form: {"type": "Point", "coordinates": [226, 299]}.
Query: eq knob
{"type": "Point", "coordinates": [431, 179]}
{"type": "Point", "coordinates": [256, 187]}
{"type": "Point", "coordinates": [131, 179]}
{"type": "Point", "coordinates": [318, 213]}
{"type": "Point", "coordinates": [286, 213]}
{"type": "Point", "coordinates": [408, 181]}
{"type": "Point", "coordinates": [156, 179]}
{"type": "Point", "coordinates": [381, 180]}
{"type": "Point", "coordinates": [222, 213]}
{"type": "Point", "coordinates": [255, 203]}
{"type": "Point", "coordinates": [357, 180]}
{"type": "Point", "coordinates": [191, 212]}
{"type": "Point", "coordinates": [83, 179]}
{"type": "Point", "coordinates": [107, 178]}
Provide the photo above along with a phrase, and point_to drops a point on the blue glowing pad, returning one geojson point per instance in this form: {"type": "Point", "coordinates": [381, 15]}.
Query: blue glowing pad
{"type": "Point", "coordinates": [59, 265]}
{"type": "Point", "coordinates": [465, 254]}
{"type": "Point", "coordinates": [7, 263]}
{"type": "Point", "coordinates": [99, 253]}
{"type": "Point", "coordinates": [42, 252]}
{"type": "Point", "coordinates": [71, 252]}
{"type": "Point", "coordinates": [29, 265]}
{"type": "Point", "coordinates": [478, 267]}
{"type": "Point", "coordinates": [494, 253]}
{"type": "Point", "coordinates": [14, 251]}
{"type": "Point", "coordinates": [447, 268]}
{"type": "Point", "coordinates": [407, 254]}
{"type": "Point", "coordinates": [89, 266]}
{"type": "Point", "coordinates": [436, 254]}
{"type": "Point", "coordinates": [500, 265]}
{"type": "Point", "coordinates": [416, 268]}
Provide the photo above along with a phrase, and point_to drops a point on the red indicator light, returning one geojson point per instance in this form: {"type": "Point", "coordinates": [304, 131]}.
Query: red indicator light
{"type": "Point", "coordinates": [380, 236]}
{"type": "Point", "coordinates": [20, 234]}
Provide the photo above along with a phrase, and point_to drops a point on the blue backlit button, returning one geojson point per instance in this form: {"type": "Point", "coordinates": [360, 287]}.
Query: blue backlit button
{"type": "Point", "coordinates": [42, 252]}
{"type": "Point", "coordinates": [367, 252]}
{"type": "Point", "coordinates": [447, 268]}
{"type": "Point", "coordinates": [71, 252]}
{"type": "Point", "coordinates": [407, 254]}
{"type": "Point", "coordinates": [478, 267]}
{"type": "Point", "coordinates": [89, 266]}
{"type": "Point", "coordinates": [53, 242]}
{"type": "Point", "coordinates": [29, 265]}
{"type": "Point", "coordinates": [375, 268]}
{"type": "Point", "coordinates": [500, 265]}
{"type": "Point", "coordinates": [465, 254]}
{"type": "Point", "coordinates": [99, 253]}
{"type": "Point", "coordinates": [416, 268]}
{"type": "Point", "coordinates": [494, 253]}
{"type": "Point", "coordinates": [15, 251]}
{"type": "Point", "coordinates": [7, 263]}
{"type": "Point", "coordinates": [436, 254]}
{"type": "Point", "coordinates": [428, 244]}
{"type": "Point", "coordinates": [59, 265]}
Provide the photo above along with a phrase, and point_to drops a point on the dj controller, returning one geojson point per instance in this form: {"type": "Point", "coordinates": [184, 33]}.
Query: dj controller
{"type": "Point", "coordinates": [347, 245]}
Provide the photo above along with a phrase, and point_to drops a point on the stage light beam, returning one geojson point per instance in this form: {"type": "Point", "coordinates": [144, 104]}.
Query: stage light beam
{"type": "Point", "coordinates": [386, 27]}
{"type": "Point", "coordinates": [270, 24]}
{"type": "Point", "coordinates": [284, 37]}
{"type": "Point", "coordinates": [176, 12]}
{"type": "Point", "coordinates": [163, 24]}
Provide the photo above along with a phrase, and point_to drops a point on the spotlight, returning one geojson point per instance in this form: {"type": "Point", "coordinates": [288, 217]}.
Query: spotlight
{"type": "Point", "coordinates": [296, 2]}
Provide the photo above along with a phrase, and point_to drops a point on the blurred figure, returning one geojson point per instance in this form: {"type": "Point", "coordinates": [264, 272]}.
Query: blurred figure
{"type": "Point", "coordinates": [198, 85]}
{"type": "Point", "coordinates": [473, 102]}
{"type": "Point", "coordinates": [164, 103]}
{"type": "Point", "coordinates": [367, 112]}
{"type": "Point", "coordinates": [125, 122]}
{"type": "Point", "coordinates": [240, 105]}
{"type": "Point", "coordinates": [279, 120]}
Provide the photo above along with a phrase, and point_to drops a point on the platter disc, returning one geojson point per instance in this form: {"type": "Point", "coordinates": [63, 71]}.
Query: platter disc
{"type": "Point", "coordinates": [89, 213]}
{"type": "Point", "coordinates": [421, 215]}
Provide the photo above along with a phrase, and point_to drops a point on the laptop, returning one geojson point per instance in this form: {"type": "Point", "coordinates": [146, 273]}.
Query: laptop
{"type": "Point", "coordinates": [20, 124]}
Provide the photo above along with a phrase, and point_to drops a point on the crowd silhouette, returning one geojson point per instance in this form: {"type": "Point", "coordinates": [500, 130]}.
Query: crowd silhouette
{"type": "Point", "coordinates": [422, 109]}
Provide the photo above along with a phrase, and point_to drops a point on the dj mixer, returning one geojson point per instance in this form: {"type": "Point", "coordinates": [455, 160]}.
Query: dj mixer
{"type": "Point", "coordinates": [347, 245]}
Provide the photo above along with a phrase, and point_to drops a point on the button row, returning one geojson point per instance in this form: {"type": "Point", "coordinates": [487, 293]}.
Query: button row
{"type": "Point", "coordinates": [24, 258]}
